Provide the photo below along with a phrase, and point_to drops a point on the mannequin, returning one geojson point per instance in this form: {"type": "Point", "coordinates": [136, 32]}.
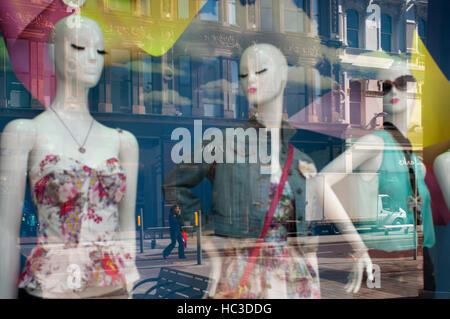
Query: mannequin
{"type": "Point", "coordinates": [263, 72]}
{"type": "Point", "coordinates": [441, 168]}
{"type": "Point", "coordinates": [66, 136]}
{"type": "Point", "coordinates": [370, 159]}
{"type": "Point", "coordinates": [439, 253]}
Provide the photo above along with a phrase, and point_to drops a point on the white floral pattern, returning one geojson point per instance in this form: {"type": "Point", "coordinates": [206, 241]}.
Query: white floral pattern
{"type": "Point", "coordinates": [78, 214]}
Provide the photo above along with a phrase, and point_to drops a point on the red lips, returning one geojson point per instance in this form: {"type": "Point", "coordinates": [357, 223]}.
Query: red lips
{"type": "Point", "coordinates": [393, 101]}
{"type": "Point", "coordinates": [252, 90]}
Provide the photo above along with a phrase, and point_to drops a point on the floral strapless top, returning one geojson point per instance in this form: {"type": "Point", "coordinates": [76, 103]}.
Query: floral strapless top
{"type": "Point", "coordinates": [78, 241]}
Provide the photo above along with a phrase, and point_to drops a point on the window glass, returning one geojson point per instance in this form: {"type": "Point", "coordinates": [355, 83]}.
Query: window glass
{"type": "Point", "coordinates": [209, 11]}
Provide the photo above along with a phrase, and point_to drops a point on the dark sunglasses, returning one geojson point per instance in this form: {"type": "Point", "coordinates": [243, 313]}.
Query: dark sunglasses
{"type": "Point", "coordinates": [400, 83]}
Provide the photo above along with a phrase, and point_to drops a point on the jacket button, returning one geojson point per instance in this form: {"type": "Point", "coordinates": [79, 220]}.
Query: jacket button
{"type": "Point", "coordinates": [299, 191]}
{"type": "Point", "coordinates": [300, 218]}
{"type": "Point", "coordinates": [258, 204]}
{"type": "Point", "coordinates": [290, 172]}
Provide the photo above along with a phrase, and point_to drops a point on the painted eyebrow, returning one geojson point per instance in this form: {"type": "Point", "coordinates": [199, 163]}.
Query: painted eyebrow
{"type": "Point", "coordinates": [261, 71]}
{"type": "Point", "coordinates": [77, 47]}
{"type": "Point", "coordinates": [243, 75]}
{"type": "Point", "coordinates": [102, 52]}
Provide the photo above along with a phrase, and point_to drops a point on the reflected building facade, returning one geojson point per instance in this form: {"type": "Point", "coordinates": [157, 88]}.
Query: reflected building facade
{"type": "Point", "coordinates": [330, 94]}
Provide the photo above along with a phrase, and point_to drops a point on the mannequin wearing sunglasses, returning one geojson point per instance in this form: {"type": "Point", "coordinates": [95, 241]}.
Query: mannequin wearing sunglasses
{"type": "Point", "coordinates": [383, 154]}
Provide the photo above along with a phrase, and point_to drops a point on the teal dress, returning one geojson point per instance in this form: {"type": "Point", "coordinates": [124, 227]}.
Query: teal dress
{"type": "Point", "coordinates": [394, 181]}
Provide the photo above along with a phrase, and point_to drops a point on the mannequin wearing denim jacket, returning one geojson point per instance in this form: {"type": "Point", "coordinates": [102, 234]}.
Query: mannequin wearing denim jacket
{"type": "Point", "coordinates": [240, 191]}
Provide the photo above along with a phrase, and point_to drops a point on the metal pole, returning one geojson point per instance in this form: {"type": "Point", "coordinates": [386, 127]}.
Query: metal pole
{"type": "Point", "coordinates": [199, 244]}
{"type": "Point", "coordinates": [141, 231]}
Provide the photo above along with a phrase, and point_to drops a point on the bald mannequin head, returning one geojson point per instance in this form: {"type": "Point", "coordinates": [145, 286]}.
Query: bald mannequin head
{"type": "Point", "coordinates": [263, 73]}
{"type": "Point", "coordinates": [78, 49]}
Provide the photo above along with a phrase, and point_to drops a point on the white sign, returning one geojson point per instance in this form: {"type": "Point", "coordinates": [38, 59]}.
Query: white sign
{"type": "Point", "coordinates": [373, 27]}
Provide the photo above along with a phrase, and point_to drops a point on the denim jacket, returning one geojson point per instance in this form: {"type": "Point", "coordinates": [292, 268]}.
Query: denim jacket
{"type": "Point", "coordinates": [240, 191]}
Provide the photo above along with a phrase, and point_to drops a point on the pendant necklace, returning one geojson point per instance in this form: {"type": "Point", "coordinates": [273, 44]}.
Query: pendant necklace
{"type": "Point", "coordinates": [81, 148]}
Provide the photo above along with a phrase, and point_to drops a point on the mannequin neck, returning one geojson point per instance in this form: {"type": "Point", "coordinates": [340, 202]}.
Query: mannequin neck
{"type": "Point", "coordinates": [71, 100]}
{"type": "Point", "coordinates": [400, 120]}
{"type": "Point", "coordinates": [271, 113]}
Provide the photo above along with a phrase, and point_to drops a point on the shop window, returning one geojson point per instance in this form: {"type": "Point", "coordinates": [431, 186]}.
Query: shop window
{"type": "Point", "coordinates": [210, 10]}
{"type": "Point", "coordinates": [353, 28]}
{"type": "Point", "coordinates": [294, 15]}
{"type": "Point", "coordinates": [386, 32]}
{"type": "Point", "coordinates": [266, 15]}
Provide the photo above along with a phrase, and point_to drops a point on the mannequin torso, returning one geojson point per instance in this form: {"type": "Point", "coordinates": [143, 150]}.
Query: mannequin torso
{"type": "Point", "coordinates": [63, 130]}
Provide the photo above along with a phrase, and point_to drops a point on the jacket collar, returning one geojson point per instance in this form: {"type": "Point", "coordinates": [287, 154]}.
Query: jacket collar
{"type": "Point", "coordinates": [287, 131]}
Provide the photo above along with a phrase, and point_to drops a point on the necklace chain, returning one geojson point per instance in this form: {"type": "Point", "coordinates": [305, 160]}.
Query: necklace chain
{"type": "Point", "coordinates": [81, 146]}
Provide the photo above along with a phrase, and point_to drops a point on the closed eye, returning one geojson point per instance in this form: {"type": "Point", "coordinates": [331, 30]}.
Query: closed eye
{"type": "Point", "coordinates": [76, 47]}
{"type": "Point", "coordinates": [261, 71]}
{"type": "Point", "coordinates": [242, 76]}
{"type": "Point", "coordinates": [102, 52]}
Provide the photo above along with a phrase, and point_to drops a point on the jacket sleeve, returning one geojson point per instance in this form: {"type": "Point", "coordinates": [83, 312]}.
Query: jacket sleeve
{"type": "Point", "coordinates": [178, 184]}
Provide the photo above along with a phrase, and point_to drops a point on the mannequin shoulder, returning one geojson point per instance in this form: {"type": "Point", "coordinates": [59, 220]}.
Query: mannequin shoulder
{"type": "Point", "coordinates": [370, 140]}
{"type": "Point", "coordinates": [20, 132]}
{"type": "Point", "coordinates": [127, 141]}
{"type": "Point", "coordinates": [441, 163]}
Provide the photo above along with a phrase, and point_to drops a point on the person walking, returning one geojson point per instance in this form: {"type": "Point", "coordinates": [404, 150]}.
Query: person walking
{"type": "Point", "coordinates": [175, 233]}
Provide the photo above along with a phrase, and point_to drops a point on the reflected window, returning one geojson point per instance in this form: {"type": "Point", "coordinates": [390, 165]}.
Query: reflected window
{"type": "Point", "coordinates": [421, 29]}
{"type": "Point", "coordinates": [185, 87]}
{"type": "Point", "coordinates": [295, 93]}
{"type": "Point", "coordinates": [145, 7]}
{"type": "Point", "coordinates": [147, 81]}
{"type": "Point", "coordinates": [120, 80]}
{"type": "Point", "coordinates": [210, 10]}
{"type": "Point", "coordinates": [293, 15]}
{"type": "Point", "coordinates": [355, 102]}
{"type": "Point", "coordinates": [17, 95]}
{"type": "Point", "coordinates": [234, 87]}
{"type": "Point", "coordinates": [353, 28]}
{"type": "Point", "coordinates": [315, 17]}
{"type": "Point", "coordinates": [231, 11]}
{"type": "Point", "coordinates": [211, 88]}
{"type": "Point", "coordinates": [119, 5]}
{"type": "Point", "coordinates": [266, 15]}
{"type": "Point", "coordinates": [183, 9]}
{"type": "Point", "coordinates": [318, 94]}
{"type": "Point", "coordinates": [167, 9]}
{"type": "Point", "coordinates": [386, 32]}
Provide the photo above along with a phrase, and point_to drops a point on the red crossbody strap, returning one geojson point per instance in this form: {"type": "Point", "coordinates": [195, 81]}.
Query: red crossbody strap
{"type": "Point", "coordinates": [268, 220]}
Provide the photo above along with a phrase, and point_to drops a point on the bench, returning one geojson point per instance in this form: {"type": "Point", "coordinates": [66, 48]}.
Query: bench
{"type": "Point", "coordinates": [174, 284]}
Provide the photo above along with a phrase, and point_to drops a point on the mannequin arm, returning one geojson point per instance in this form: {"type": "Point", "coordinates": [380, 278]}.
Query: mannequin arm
{"type": "Point", "coordinates": [441, 168]}
{"type": "Point", "coordinates": [16, 142]}
{"type": "Point", "coordinates": [366, 153]}
{"type": "Point", "coordinates": [334, 209]}
{"type": "Point", "coordinates": [129, 159]}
